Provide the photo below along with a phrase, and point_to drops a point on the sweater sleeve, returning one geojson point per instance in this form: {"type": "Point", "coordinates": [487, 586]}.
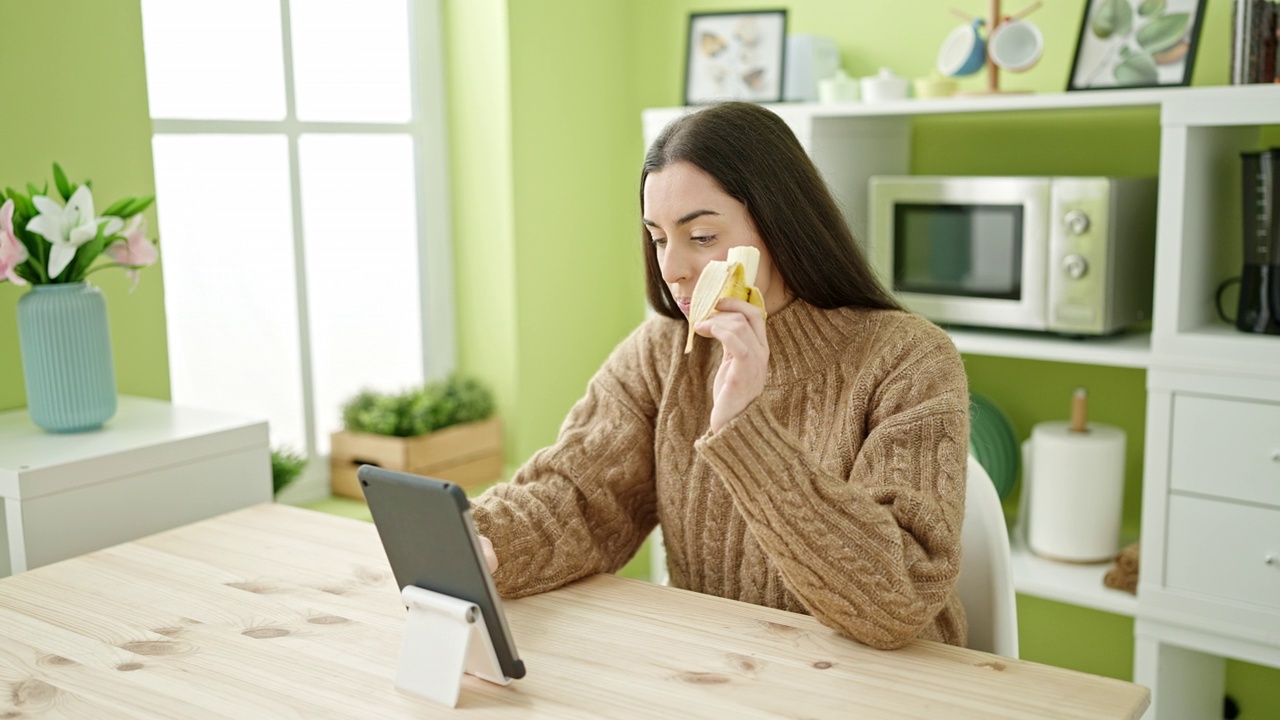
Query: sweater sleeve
{"type": "Point", "coordinates": [585, 504]}
{"type": "Point", "coordinates": [874, 555]}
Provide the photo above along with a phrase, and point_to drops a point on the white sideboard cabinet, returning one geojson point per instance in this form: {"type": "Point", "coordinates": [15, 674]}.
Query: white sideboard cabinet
{"type": "Point", "coordinates": [1210, 536]}
{"type": "Point", "coordinates": [154, 466]}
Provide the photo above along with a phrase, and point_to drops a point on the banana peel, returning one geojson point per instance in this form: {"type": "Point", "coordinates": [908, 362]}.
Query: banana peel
{"type": "Point", "coordinates": [733, 277]}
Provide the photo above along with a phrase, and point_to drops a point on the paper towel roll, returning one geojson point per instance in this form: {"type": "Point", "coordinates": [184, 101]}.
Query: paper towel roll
{"type": "Point", "coordinates": [1077, 489]}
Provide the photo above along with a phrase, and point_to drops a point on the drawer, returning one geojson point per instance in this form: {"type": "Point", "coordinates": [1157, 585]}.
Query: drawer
{"type": "Point", "coordinates": [1222, 549]}
{"type": "Point", "coordinates": [1226, 448]}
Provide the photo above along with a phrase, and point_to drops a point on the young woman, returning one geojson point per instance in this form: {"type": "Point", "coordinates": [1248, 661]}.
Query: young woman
{"type": "Point", "coordinates": [811, 458]}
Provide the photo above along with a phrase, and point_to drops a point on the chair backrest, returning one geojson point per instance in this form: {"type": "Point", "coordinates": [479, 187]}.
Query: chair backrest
{"type": "Point", "coordinates": [986, 568]}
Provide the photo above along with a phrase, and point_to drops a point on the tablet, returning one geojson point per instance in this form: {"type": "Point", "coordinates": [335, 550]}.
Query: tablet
{"type": "Point", "coordinates": [426, 530]}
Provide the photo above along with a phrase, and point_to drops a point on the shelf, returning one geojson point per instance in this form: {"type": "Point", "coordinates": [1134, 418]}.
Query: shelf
{"type": "Point", "coordinates": [1012, 102]}
{"type": "Point", "coordinates": [1224, 348]}
{"type": "Point", "coordinates": [1125, 350]}
{"type": "Point", "coordinates": [1224, 106]}
{"type": "Point", "coordinates": [1193, 106]}
{"type": "Point", "coordinates": [1068, 582]}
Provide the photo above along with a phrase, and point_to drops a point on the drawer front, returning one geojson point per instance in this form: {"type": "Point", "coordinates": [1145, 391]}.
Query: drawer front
{"type": "Point", "coordinates": [1226, 448]}
{"type": "Point", "coordinates": [1225, 550]}
{"type": "Point", "coordinates": [67, 524]}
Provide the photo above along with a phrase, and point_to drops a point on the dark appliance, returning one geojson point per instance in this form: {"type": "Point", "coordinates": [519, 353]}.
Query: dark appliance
{"type": "Point", "coordinates": [1259, 308]}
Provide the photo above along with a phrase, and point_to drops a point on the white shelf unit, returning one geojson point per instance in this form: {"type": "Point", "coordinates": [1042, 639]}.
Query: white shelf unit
{"type": "Point", "coordinates": [1181, 634]}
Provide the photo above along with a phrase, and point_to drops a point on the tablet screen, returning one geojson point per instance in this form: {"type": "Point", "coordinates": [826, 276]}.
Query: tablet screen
{"type": "Point", "coordinates": [426, 530]}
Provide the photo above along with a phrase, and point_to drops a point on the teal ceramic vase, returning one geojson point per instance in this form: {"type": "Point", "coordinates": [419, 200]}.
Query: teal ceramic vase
{"type": "Point", "coordinates": [66, 357]}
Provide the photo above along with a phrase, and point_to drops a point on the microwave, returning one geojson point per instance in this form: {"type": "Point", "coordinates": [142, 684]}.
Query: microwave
{"type": "Point", "coordinates": [1071, 255]}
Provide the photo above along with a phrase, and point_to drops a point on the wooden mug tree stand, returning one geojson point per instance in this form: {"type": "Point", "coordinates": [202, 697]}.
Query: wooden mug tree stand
{"type": "Point", "coordinates": [444, 638]}
{"type": "Point", "coordinates": [993, 20]}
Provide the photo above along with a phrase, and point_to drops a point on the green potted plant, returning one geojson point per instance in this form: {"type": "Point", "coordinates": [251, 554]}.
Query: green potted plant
{"type": "Point", "coordinates": [445, 429]}
{"type": "Point", "coordinates": [286, 466]}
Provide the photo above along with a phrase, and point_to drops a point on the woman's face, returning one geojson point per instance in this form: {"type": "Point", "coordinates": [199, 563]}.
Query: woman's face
{"type": "Point", "coordinates": [692, 222]}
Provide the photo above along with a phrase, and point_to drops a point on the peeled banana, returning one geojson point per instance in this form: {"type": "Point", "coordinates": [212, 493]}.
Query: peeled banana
{"type": "Point", "coordinates": [733, 277]}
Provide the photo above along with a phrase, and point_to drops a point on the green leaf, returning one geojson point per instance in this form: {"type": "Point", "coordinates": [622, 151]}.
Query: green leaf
{"type": "Point", "coordinates": [1164, 32]}
{"type": "Point", "coordinates": [85, 256]}
{"type": "Point", "coordinates": [27, 272]}
{"type": "Point", "coordinates": [1114, 17]}
{"type": "Point", "coordinates": [1151, 7]}
{"type": "Point", "coordinates": [31, 242]}
{"type": "Point", "coordinates": [137, 205]}
{"type": "Point", "coordinates": [33, 190]}
{"type": "Point", "coordinates": [65, 189]}
{"type": "Point", "coordinates": [22, 204]}
{"type": "Point", "coordinates": [117, 208]}
{"type": "Point", "coordinates": [1137, 69]}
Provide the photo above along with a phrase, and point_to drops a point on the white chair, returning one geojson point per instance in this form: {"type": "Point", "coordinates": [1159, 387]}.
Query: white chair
{"type": "Point", "coordinates": [986, 568]}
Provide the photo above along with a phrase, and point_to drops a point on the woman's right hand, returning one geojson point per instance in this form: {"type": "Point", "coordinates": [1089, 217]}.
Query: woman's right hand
{"type": "Point", "coordinates": [490, 557]}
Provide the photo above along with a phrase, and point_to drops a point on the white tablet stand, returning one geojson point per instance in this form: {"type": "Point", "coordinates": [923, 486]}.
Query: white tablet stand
{"type": "Point", "coordinates": [444, 638]}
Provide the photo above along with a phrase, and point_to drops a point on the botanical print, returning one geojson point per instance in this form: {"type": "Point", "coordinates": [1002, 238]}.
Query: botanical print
{"type": "Point", "coordinates": [1135, 43]}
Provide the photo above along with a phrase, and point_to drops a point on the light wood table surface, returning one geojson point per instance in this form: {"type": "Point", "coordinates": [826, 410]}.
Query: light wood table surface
{"type": "Point", "coordinates": [275, 611]}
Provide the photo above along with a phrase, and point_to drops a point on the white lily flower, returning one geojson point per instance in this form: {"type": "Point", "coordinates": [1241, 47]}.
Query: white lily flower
{"type": "Point", "coordinates": [67, 228]}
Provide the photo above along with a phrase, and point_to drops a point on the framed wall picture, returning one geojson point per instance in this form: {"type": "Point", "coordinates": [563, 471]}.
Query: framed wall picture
{"type": "Point", "coordinates": [1136, 43]}
{"type": "Point", "coordinates": [735, 56]}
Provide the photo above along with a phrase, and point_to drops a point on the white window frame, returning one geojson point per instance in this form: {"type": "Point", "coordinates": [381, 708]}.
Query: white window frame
{"type": "Point", "coordinates": [428, 130]}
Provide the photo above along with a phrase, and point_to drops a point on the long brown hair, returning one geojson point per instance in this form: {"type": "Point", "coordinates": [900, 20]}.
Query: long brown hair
{"type": "Point", "coordinates": [757, 160]}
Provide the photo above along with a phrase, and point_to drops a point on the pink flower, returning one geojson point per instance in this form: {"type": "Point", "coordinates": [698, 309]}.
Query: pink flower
{"type": "Point", "coordinates": [135, 251]}
{"type": "Point", "coordinates": [12, 252]}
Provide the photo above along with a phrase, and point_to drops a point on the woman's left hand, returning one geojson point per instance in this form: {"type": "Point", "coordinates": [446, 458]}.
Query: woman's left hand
{"type": "Point", "coordinates": [739, 326]}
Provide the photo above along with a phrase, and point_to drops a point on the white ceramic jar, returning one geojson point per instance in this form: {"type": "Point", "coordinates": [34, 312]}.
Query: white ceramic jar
{"type": "Point", "coordinates": [885, 86]}
{"type": "Point", "coordinates": [838, 88]}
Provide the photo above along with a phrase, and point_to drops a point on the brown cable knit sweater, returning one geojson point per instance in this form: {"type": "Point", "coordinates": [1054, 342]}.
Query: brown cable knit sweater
{"type": "Point", "coordinates": [839, 493]}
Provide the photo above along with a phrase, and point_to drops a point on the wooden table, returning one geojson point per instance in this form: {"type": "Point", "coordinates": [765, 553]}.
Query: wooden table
{"type": "Point", "coordinates": [275, 611]}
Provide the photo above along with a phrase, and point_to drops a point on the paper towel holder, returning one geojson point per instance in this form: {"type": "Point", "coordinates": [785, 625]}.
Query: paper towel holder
{"type": "Point", "coordinates": [1080, 410]}
{"type": "Point", "coordinates": [1071, 506]}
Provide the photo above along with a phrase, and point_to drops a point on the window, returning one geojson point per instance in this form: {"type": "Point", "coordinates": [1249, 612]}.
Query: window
{"type": "Point", "coordinates": [301, 183]}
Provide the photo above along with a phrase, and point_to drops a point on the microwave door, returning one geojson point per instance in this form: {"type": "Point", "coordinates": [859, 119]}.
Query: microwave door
{"type": "Point", "coordinates": [969, 253]}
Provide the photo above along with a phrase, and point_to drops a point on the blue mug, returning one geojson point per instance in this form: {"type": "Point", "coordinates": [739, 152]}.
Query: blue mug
{"type": "Point", "coordinates": [964, 52]}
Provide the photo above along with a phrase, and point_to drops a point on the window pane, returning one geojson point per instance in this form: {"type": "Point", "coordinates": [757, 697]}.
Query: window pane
{"type": "Point", "coordinates": [351, 60]}
{"type": "Point", "coordinates": [230, 292]}
{"type": "Point", "coordinates": [214, 59]}
{"type": "Point", "coordinates": [360, 224]}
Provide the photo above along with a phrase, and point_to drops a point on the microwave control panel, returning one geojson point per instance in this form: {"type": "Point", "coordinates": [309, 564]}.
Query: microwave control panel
{"type": "Point", "coordinates": [1101, 253]}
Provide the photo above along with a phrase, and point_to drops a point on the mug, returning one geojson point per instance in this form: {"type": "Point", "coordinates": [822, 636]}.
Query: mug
{"type": "Point", "coordinates": [1015, 45]}
{"type": "Point", "coordinates": [963, 52]}
{"type": "Point", "coordinates": [934, 86]}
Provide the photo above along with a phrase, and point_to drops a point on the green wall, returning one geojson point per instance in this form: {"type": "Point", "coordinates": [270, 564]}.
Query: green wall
{"type": "Point", "coordinates": [546, 144]}
{"type": "Point", "coordinates": [576, 158]}
{"type": "Point", "coordinates": [75, 93]}
{"type": "Point", "coordinates": [479, 89]}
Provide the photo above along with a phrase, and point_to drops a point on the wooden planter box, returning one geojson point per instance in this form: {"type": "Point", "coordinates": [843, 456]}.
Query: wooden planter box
{"type": "Point", "coordinates": [469, 455]}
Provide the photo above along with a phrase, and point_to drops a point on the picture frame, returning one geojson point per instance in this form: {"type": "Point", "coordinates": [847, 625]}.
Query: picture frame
{"type": "Point", "coordinates": [735, 56]}
{"type": "Point", "coordinates": [1126, 44]}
